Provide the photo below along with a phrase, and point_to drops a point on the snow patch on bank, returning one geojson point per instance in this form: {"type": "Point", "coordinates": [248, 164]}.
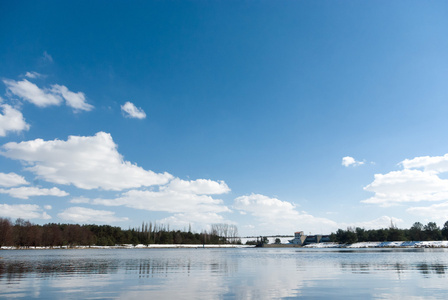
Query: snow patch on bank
{"type": "Point", "coordinates": [398, 244]}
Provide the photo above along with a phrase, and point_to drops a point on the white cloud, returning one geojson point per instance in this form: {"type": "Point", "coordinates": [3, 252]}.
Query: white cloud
{"type": "Point", "coordinates": [24, 211]}
{"type": "Point", "coordinates": [47, 97]}
{"type": "Point", "coordinates": [266, 207]}
{"type": "Point", "coordinates": [276, 216]}
{"type": "Point", "coordinates": [87, 162]}
{"type": "Point", "coordinates": [406, 186]}
{"type": "Point", "coordinates": [418, 181]}
{"type": "Point", "coordinates": [166, 201]}
{"type": "Point", "coordinates": [87, 215]}
{"type": "Point", "coordinates": [437, 211]}
{"type": "Point", "coordinates": [75, 100]}
{"type": "Point", "coordinates": [199, 186]}
{"type": "Point", "coordinates": [48, 207]}
{"type": "Point", "coordinates": [11, 120]}
{"type": "Point", "coordinates": [350, 161]}
{"type": "Point", "coordinates": [26, 191]}
{"type": "Point", "coordinates": [33, 75]}
{"type": "Point", "coordinates": [32, 93]}
{"type": "Point", "coordinates": [11, 179]}
{"type": "Point", "coordinates": [131, 111]}
{"type": "Point", "coordinates": [434, 164]}
{"type": "Point", "coordinates": [189, 201]}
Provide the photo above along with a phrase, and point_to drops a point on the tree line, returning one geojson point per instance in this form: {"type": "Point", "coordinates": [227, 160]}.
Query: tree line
{"type": "Point", "coordinates": [23, 233]}
{"type": "Point", "coordinates": [417, 232]}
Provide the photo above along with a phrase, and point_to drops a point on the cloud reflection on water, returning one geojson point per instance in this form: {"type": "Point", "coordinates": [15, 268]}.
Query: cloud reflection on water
{"type": "Point", "coordinates": [220, 273]}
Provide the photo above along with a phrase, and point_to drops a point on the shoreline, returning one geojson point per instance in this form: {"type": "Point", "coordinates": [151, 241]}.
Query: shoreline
{"type": "Point", "coordinates": [126, 246]}
{"type": "Point", "coordinates": [397, 244]}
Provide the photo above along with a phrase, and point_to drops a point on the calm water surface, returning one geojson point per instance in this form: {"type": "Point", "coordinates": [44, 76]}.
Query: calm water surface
{"type": "Point", "coordinates": [224, 274]}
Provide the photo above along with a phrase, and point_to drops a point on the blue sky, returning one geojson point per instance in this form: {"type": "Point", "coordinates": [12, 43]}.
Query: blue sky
{"type": "Point", "coordinates": [276, 116]}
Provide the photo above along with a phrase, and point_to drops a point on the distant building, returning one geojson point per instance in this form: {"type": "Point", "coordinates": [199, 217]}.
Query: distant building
{"type": "Point", "coordinates": [302, 239]}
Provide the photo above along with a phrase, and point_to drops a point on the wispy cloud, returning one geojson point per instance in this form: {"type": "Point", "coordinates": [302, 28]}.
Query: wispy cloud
{"type": "Point", "coordinates": [28, 191]}
{"type": "Point", "coordinates": [75, 100]}
{"type": "Point", "coordinates": [131, 111]}
{"type": "Point", "coordinates": [87, 215]}
{"type": "Point", "coordinates": [196, 219]}
{"type": "Point", "coordinates": [47, 57]}
{"type": "Point", "coordinates": [437, 211]}
{"type": "Point", "coordinates": [33, 75]}
{"type": "Point", "coordinates": [30, 92]}
{"type": "Point", "coordinates": [166, 201]}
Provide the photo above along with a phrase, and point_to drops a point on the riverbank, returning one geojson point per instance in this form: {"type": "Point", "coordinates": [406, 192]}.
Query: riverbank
{"type": "Point", "coordinates": [398, 244]}
{"type": "Point", "coordinates": [127, 246]}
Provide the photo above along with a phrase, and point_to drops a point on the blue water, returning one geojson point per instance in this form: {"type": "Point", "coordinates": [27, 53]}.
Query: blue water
{"type": "Point", "coordinates": [250, 273]}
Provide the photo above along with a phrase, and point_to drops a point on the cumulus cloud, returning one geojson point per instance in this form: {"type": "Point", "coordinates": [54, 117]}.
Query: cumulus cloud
{"type": "Point", "coordinates": [406, 186]}
{"type": "Point", "coordinates": [87, 162]}
{"type": "Point", "coordinates": [11, 179]}
{"type": "Point", "coordinates": [75, 100]}
{"type": "Point", "coordinates": [350, 161]}
{"type": "Point", "coordinates": [418, 181]}
{"type": "Point", "coordinates": [11, 120]}
{"type": "Point", "coordinates": [26, 192]}
{"type": "Point", "coordinates": [277, 216]}
{"type": "Point", "coordinates": [46, 97]}
{"type": "Point", "coordinates": [131, 111]}
{"type": "Point", "coordinates": [87, 215]}
{"type": "Point", "coordinates": [24, 211]}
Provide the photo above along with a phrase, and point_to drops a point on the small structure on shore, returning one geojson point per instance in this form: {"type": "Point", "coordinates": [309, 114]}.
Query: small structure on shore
{"type": "Point", "coordinates": [302, 239]}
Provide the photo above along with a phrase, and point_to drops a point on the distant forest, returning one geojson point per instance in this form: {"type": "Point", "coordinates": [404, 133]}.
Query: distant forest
{"type": "Point", "coordinates": [22, 233]}
{"type": "Point", "coordinates": [417, 232]}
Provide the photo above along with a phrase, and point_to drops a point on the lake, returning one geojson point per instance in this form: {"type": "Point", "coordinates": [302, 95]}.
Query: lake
{"type": "Point", "coordinates": [244, 273]}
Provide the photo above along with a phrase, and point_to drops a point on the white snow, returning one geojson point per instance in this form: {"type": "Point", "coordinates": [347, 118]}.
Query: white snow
{"type": "Point", "coordinates": [397, 244]}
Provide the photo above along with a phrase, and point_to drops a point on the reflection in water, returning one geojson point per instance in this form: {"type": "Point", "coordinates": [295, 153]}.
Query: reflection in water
{"type": "Point", "coordinates": [222, 273]}
{"type": "Point", "coordinates": [424, 268]}
{"type": "Point", "coordinates": [427, 269]}
{"type": "Point", "coordinates": [17, 269]}
{"type": "Point", "coordinates": [144, 267]}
